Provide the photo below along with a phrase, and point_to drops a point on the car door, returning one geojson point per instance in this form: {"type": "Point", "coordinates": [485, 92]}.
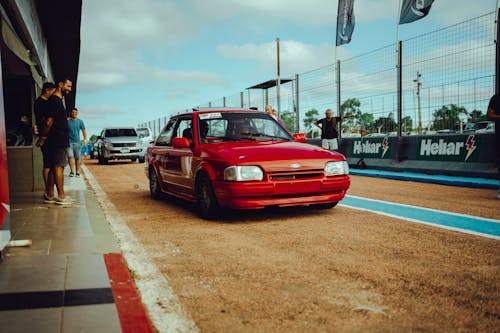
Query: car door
{"type": "Point", "coordinates": [178, 167]}
{"type": "Point", "coordinates": [160, 151]}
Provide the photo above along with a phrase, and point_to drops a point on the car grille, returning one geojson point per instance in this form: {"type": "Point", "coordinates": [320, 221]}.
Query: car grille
{"type": "Point", "coordinates": [126, 144]}
{"type": "Point", "coordinates": [277, 176]}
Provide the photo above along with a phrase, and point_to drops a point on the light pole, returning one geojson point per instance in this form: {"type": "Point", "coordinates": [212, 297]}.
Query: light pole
{"type": "Point", "coordinates": [419, 84]}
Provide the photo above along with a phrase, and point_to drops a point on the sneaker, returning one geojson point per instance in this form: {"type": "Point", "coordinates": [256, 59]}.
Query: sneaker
{"type": "Point", "coordinates": [47, 199]}
{"type": "Point", "coordinates": [77, 174]}
{"type": "Point", "coordinates": [71, 174]}
{"type": "Point", "coordinates": [63, 202]}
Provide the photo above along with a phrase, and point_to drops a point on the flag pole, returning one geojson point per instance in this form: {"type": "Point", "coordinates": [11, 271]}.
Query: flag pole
{"type": "Point", "coordinates": [397, 23]}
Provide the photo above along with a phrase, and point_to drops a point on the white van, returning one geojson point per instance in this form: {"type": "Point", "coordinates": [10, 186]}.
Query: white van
{"type": "Point", "coordinates": [145, 135]}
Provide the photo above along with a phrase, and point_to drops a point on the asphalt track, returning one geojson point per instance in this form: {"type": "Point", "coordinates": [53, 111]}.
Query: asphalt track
{"type": "Point", "coordinates": [464, 223]}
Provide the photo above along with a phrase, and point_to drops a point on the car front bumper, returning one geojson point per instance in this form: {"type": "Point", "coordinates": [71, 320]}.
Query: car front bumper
{"type": "Point", "coordinates": [256, 195]}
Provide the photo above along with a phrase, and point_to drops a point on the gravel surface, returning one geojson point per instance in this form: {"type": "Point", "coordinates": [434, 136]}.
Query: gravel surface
{"type": "Point", "coordinates": [306, 270]}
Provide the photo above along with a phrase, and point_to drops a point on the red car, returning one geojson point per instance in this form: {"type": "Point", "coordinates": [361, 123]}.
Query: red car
{"type": "Point", "coordinates": [242, 159]}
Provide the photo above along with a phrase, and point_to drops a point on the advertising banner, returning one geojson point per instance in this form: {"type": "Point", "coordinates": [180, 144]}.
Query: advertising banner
{"type": "Point", "coordinates": [372, 147]}
{"type": "Point", "coordinates": [456, 148]}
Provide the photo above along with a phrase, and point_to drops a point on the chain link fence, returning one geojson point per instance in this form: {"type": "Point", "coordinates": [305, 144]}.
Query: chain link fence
{"type": "Point", "coordinates": [447, 79]}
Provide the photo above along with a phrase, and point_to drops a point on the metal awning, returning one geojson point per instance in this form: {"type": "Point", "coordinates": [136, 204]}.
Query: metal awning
{"type": "Point", "coordinates": [269, 84]}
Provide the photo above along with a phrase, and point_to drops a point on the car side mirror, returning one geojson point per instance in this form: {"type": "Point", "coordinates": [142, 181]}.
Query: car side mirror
{"type": "Point", "coordinates": [299, 137]}
{"type": "Point", "coordinates": [181, 142]}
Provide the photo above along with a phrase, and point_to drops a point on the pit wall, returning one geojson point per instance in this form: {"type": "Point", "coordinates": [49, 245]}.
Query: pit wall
{"type": "Point", "coordinates": [465, 155]}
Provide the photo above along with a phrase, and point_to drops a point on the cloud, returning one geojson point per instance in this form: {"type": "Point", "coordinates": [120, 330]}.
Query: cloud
{"type": "Point", "coordinates": [167, 75]}
{"type": "Point", "coordinates": [295, 57]}
{"type": "Point", "coordinates": [115, 39]}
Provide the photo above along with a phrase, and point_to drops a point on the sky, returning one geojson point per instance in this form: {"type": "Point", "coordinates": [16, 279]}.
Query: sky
{"type": "Point", "coordinates": [149, 59]}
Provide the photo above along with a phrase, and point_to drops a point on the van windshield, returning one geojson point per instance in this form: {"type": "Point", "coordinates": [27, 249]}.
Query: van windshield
{"type": "Point", "coordinates": [143, 132]}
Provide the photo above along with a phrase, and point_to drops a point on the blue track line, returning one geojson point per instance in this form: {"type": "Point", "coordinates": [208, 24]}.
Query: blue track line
{"type": "Point", "coordinates": [463, 223]}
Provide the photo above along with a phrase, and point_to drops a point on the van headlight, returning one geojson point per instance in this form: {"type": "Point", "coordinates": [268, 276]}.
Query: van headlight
{"type": "Point", "coordinates": [336, 168]}
{"type": "Point", "coordinates": [243, 173]}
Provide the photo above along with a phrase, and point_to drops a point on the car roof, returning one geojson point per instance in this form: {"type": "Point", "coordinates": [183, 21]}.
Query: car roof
{"type": "Point", "coordinates": [197, 111]}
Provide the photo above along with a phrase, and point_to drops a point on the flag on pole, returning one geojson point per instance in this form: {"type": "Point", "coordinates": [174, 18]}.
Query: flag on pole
{"type": "Point", "coordinates": [413, 10]}
{"type": "Point", "coordinates": [345, 21]}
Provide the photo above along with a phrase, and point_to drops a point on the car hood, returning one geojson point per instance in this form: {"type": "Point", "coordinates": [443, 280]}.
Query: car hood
{"type": "Point", "coordinates": [272, 156]}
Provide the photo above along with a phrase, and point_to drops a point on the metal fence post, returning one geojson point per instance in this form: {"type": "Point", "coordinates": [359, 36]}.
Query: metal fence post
{"type": "Point", "coordinates": [241, 99]}
{"type": "Point", "coordinates": [224, 101]}
{"type": "Point", "coordinates": [497, 55]}
{"type": "Point", "coordinates": [399, 84]}
{"type": "Point", "coordinates": [297, 104]}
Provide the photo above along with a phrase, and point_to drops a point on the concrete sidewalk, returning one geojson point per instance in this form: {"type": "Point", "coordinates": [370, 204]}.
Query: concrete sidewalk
{"type": "Point", "coordinates": [69, 280]}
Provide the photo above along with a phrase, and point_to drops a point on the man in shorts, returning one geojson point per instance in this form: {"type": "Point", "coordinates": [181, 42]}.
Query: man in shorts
{"type": "Point", "coordinates": [75, 126]}
{"type": "Point", "coordinates": [54, 137]}
{"type": "Point", "coordinates": [40, 109]}
{"type": "Point", "coordinates": [329, 132]}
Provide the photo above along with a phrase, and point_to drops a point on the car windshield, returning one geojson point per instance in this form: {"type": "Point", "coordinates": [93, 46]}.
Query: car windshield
{"type": "Point", "coordinates": [113, 132]}
{"type": "Point", "coordinates": [239, 126]}
{"type": "Point", "coordinates": [143, 132]}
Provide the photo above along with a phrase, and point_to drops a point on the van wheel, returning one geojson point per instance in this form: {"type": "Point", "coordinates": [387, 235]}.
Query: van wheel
{"type": "Point", "coordinates": [206, 202]}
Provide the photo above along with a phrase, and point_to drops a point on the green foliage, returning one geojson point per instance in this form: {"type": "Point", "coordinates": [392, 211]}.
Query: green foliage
{"type": "Point", "coordinates": [93, 138]}
{"type": "Point", "coordinates": [388, 124]}
{"type": "Point", "coordinates": [476, 116]}
{"type": "Point", "coordinates": [351, 107]}
{"type": "Point", "coordinates": [447, 116]}
{"type": "Point", "coordinates": [367, 121]}
{"type": "Point", "coordinates": [288, 119]}
{"type": "Point", "coordinates": [311, 117]}
{"type": "Point", "coordinates": [407, 124]}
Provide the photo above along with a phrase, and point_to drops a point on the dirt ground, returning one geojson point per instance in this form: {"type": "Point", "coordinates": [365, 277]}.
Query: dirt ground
{"type": "Point", "coordinates": [305, 270]}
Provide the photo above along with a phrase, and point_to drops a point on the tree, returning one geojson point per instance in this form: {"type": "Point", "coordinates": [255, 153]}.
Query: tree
{"type": "Point", "coordinates": [288, 119]}
{"type": "Point", "coordinates": [387, 124]}
{"type": "Point", "coordinates": [476, 116]}
{"type": "Point", "coordinates": [350, 107]}
{"type": "Point", "coordinates": [407, 124]}
{"type": "Point", "coordinates": [367, 121]}
{"type": "Point", "coordinates": [311, 117]}
{"type": "Point", "coordinates": [448, 116]}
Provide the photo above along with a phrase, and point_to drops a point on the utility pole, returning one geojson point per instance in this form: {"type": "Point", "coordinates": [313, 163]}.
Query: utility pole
{"type": "Point", "coordinates": [419, 84]}
{"type": "Point", "coordinates": [278, 82]}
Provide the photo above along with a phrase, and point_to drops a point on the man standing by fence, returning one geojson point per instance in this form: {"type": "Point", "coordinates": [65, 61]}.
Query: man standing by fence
{"type": "Point", "coordinates": [329, 131]}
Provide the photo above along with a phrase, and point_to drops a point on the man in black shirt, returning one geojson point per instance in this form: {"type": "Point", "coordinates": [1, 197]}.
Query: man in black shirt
{"type": "Point", "coordinates": [40, 109]}
{"type": "Point", "coordinates": [493, 114]}
{"type": "Point", "coordinates": [329, 132]}
{"type": "Point", "coordinates": [54, 137]}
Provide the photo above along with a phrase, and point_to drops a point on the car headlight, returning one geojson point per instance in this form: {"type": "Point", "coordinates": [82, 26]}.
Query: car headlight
{"type": "Point", "coordinates": [108, 145]}
{"type": "Point", "coordinates": [243, 173]}
{"type": "Point", "coordinates": [336, 168]}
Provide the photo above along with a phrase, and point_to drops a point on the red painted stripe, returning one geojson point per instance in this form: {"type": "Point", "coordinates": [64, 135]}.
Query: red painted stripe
{"type": "Point", "coordinates": [131, 311]}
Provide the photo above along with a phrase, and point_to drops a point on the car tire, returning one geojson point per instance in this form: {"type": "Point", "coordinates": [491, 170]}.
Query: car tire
{"type": "Point", "coordinates": [206, 202]}
{"type": "Point", "coordinates": [141, 159]}
{"type": "Point", "coordinates": [325, 205]}
{"type": "Point", "coordinates": [154, 185]}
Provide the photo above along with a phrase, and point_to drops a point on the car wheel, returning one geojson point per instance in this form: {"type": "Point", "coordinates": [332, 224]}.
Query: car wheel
{"type": "Point", "coordinates": [206, 202]}
{"type": "Point", "coordinates": [141, 159]}
{"type": "Point", "coordinates": [154, 185]}
{"type": "Point", "coordinates": [326, 205]}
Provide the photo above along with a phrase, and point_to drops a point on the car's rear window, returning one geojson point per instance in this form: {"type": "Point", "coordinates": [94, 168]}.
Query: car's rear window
{"type": "Point", "coordinates": [112, 132]}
